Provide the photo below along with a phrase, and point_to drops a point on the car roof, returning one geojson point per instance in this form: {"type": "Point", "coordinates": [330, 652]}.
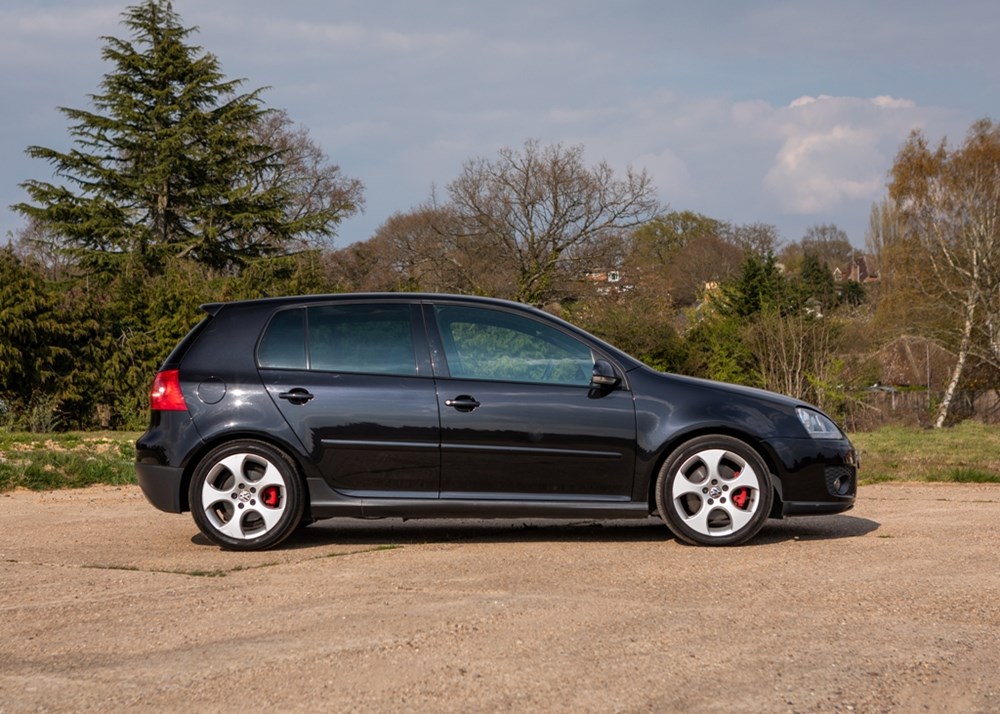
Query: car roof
{"type": "Point", "coordinates": [213, 307]}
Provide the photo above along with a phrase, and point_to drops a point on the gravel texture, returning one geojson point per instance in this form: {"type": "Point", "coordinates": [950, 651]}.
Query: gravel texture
{"type": "Point", "coordinates": [108, 604]}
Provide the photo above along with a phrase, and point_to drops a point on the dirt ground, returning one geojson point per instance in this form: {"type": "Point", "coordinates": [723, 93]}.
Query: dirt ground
{"type": "Point", "coordinates": [108, 604]}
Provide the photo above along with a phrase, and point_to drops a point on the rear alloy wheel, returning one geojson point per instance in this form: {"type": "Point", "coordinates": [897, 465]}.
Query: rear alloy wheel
{"type": "Point", "coordinates": [714, 490]}
{"type": "Point", "coordinates": [246, 495]}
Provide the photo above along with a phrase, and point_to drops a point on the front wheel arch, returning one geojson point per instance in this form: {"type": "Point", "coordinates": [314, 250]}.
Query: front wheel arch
{"type": "Point", "coordinates": [678, 440]}
{"type": "Point", "coordinates": [714, 489]}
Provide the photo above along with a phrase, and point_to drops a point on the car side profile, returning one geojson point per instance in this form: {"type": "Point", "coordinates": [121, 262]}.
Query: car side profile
{"type": "Point", "coordinates": [276, 412]}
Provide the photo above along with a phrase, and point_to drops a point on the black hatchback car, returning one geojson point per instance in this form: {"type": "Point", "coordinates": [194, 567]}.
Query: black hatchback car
{"type": "Point", "coordinates": [276, 412]}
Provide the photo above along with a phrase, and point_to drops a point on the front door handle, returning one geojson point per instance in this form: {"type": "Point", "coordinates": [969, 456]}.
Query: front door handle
{"type": "Point", "coordinates": [463, 403]}
{"type": "Point", "coordinates": [296, 396]}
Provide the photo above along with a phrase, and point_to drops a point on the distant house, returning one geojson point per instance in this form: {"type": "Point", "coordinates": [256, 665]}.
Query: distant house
{"type": "Point", "coordinates": [608, 282]}
{"type": "Point", "coordinates": [910, 361]}
{"type": "Point", "coordinates": [860, 270]}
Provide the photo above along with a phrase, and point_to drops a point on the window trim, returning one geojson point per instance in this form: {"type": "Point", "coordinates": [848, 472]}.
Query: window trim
{"type": "Point", "coordinates": [418, 337]}
{"type": "Point", "coordinates": [442, 369]}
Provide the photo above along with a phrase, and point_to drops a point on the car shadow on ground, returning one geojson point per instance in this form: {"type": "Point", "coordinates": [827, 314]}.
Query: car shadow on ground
{"type": "Point", "coordinates": [393, 532]}
{"type": "Point", "coordinates": [815, 528]}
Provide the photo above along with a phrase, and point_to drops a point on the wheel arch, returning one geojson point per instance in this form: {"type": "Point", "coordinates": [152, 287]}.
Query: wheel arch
{"type": "Point", "coordinates": [208, 445]}
{"type": "Point", "coordinates": [677, 440]}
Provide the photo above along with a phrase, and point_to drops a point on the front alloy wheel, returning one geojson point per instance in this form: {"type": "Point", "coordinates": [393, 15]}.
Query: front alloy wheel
{"type": "Point", "coordinates": [714, 490]}
{"type": "Point", "coordinates": [246, 495]}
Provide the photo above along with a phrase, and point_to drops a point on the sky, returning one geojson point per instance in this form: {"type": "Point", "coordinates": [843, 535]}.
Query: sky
{"type": "Point", "coordinates": [787, 112]}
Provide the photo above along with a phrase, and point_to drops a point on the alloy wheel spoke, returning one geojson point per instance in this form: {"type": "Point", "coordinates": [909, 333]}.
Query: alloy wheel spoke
{"type": "Point", "coordinates": [699, 520]}
{"type": "Point", "coordinates": [270, 515]}
{"type": "Point", "coordinates": [738, 517]}
{"type": "Point", "coordinates": [747, 478]}
{"type": "Point", "coordinates": [234, 527]}
{"type": "Point", "coordinates": [272, 477]}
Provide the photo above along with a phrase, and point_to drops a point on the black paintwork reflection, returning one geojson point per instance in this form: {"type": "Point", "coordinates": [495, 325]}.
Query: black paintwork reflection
{"type": "Point", "coordinates": [536, 439]}
{"type": "Point", "coordinates": [365, 432]}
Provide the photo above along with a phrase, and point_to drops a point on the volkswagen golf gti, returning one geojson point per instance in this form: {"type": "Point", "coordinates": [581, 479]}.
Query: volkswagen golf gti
{"type": "Point", "coordinates": [278, 412]}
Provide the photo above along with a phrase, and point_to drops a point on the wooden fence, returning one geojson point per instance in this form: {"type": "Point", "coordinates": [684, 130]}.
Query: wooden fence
{"type": "Point", "coordinates": [880, 407]}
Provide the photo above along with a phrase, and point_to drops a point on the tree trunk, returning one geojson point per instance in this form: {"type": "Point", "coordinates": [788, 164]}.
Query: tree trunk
{"type": "Point", "coordinates": [963, 354]}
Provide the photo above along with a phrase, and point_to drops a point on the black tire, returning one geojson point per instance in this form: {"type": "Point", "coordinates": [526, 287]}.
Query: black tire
{"type": "Point", "coordinates": [714, 490]}
{"type": "Point", "coordinates": [246, 495]}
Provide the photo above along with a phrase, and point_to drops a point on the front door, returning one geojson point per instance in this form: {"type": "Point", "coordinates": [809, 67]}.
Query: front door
{"type": "Point", "coordinates": [518, 415]}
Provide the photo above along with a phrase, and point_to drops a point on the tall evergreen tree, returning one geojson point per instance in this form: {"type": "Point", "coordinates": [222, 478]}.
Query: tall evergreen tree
{"type": "Point", "coordinates": [170, 162]}
{"type": "Point", "coordinates": [760, 287]}
{"type": "Point", "coordinates": [817, 281]}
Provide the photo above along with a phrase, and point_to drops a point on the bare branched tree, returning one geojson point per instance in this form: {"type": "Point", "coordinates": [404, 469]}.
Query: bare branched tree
{"type": "Point", "coordinates": [543, 216]}
{"type": "Point", "coordinates": [950, 204]}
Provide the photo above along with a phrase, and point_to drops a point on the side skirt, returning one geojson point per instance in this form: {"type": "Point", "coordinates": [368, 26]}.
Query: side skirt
{"type": "Point", "coordinates": [328, 503]}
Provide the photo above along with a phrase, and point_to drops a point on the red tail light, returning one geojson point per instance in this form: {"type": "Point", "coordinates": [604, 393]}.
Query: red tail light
{"type": "Point", "coordinates": [166, 393]}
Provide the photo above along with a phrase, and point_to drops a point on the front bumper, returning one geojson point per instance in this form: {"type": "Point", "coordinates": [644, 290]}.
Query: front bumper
{"type": "Point", "coordinates": [816, 476]}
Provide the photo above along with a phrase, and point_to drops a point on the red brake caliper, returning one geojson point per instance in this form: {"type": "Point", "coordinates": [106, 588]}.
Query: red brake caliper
{"type": "Point", "coordinates": [741, 497]}
{"type": "Point", "coordinates": [271, 496]}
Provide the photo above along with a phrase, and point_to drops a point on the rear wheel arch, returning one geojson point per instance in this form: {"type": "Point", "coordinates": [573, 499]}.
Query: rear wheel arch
{"type": "Point", "coordinates": [209, 446]}
{"type": "Point", "coordinates": [246, 494]}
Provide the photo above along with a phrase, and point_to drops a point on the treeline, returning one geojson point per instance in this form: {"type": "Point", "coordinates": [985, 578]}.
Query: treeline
{"type": "Point", "coordinates": [78, 350]}
{"type": "Point", "coordinates": [181, 188]}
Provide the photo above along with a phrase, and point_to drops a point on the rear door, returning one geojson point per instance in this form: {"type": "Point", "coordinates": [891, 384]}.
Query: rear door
{"type": "Point", "coordinates": [353, 381]}
{"type": "Point", "coordinates": [518, 415]}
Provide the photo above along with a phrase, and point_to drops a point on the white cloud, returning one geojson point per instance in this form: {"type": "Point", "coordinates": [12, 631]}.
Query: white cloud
{"type": "Point", "coordinates": [836, 150]}
{"type": "Point", "coordinates": [783, 113]}
{"type": "Point", "coordinates": [894, 103]}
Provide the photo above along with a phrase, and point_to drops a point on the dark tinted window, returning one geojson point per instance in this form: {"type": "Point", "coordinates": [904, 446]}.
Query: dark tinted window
{"type": "Point", "coordinates": [284, 342]}
{"type": "Point", "coordinates": [361, 338]}
{"type": "Point", "coordinates": [481, 343]}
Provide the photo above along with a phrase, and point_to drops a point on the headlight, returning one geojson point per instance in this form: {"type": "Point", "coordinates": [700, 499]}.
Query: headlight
{"type": "Point", "coordinates": [818, 426]}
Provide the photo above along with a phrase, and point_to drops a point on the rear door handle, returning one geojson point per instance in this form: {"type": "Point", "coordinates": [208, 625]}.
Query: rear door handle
{"type": "Point", "coordinates": [463, 403]}
{"type": "Point", "coordinates": [296, 396]}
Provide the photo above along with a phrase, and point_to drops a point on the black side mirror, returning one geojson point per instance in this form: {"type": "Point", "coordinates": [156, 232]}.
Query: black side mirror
{"type": "Point", "coordinates": [604, 376]}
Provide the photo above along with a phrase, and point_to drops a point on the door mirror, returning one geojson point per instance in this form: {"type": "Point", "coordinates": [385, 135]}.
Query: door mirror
{"type": "Point", "coordinates": [604, 375]}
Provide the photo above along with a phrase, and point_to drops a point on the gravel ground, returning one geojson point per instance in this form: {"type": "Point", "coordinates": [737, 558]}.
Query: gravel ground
{"type": "Point", "coordinates": [109, 604]}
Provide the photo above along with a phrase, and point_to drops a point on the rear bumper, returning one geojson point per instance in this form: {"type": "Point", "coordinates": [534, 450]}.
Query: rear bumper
{"type": "Point", "coordinates": [161, 485]}
{"type": "Point", "coordinates": [161, 457]}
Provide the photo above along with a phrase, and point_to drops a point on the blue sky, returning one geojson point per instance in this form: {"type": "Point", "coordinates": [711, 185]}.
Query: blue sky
{"type": "Point", "coordinates": [785, 112]}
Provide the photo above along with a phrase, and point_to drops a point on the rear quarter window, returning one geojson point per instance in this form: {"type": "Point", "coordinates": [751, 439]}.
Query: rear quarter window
{"type": "Point", "coordinates": [284, 343]}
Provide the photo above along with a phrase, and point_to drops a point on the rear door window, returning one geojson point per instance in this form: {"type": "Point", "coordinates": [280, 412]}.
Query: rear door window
{"type": "Point", "coordinates": [361, 338]}
{"type": "Point", "coordinates": [369, 339]}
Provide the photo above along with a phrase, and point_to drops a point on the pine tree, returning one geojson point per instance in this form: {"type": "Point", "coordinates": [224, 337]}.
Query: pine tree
{"type": "Point", "coordinates": [170, 162]}
{"type": "Point", "coordinates": [760, 287]}
{"type": "Point", "coordinates": [817, 281]}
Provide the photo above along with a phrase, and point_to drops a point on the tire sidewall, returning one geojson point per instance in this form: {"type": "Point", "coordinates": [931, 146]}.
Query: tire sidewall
{"type": "Point", "coordinates": [294, 495]}
{"type": "Point", "coordinates": [669, 473]}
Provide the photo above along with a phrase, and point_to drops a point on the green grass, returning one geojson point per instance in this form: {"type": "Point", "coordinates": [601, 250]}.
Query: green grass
{"type": "Point", "coordinates": [966, 453]}
{"type": "Point", "coordinates": [73, 460]}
